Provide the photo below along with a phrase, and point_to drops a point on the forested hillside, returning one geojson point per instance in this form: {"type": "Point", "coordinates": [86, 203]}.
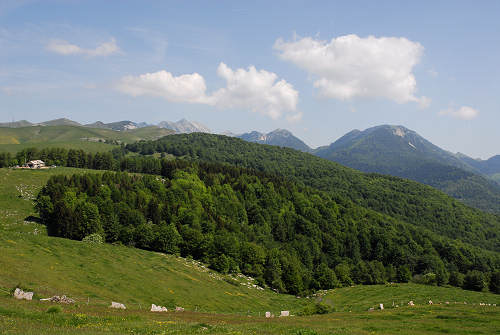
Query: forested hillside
{"type": "Point", "coordinates": [410, 201]}
{"type": "Point", "coordinates": [290, 237]}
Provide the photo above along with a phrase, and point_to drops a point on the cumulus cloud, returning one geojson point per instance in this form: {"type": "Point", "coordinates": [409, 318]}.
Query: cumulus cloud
{"type": "Point", "coordinates": [464, 113]}
{"type": "Point", "coordinates": [260, 91]}
{"type": "Point", "coordinates": [257, 90]}
{"type": "Point", "coordinates": [65, 48]}
{"type": "Point", "coordinates": [349, 66]}
{"type": "Point", "coordinates": [189, 88]}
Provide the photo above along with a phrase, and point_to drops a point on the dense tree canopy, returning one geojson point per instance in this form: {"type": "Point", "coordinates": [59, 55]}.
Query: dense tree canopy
{"type": "Point", "coordinates": [290, 237]}
{"type": "Point", "coordinates": [410, 201]}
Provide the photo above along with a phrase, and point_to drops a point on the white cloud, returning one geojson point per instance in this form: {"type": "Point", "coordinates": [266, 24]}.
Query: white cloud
{"type": "Point", "coordinates": [464, 113]}
{"type": "Point", "coordinates": [349, 66]}
{"type": "Point", "coordinates": [257, 90]}
{"type": "Point", "coordinates": [189, 88]}
{"type": "Point", "coordinates": [65, 48]}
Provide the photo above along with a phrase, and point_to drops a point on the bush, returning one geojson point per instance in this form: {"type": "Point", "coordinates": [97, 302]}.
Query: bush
{"type": "Point", "coordinates": [54, 309]}
{"type": "Point", "coordinates": [495, 282]}
{"type": "Point", "coordinates": [317, 308]}
{"type": "Point", "coordinates": [93, 239]}
{"type": "Point", "coordinates": [474, 280]}
{"type": "Point", "coordinates": [305, 332]}
{"type": "Point", "coordinates": [456, 279]}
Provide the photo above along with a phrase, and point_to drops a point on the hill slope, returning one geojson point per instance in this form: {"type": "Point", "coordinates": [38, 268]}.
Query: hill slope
{"type": "Point", "coordinates": [45, 135]}
{"type": "Point", "coordinates": [55, 266]}
{"type": "Point", "coordinates": [397, 151]}
{"type": "Point", "coordinates": [403, 199]}
{"type": "Point", "coordinates": [278, 137]}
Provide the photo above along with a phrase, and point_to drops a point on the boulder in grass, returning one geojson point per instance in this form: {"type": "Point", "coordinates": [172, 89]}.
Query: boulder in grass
{"type": "Point", "coordinates": [268, 314]}
{"type": "Point", "coordinates": [179, 309]}
{"type": "Point", "coordinates": [60, 299]}
{"type": "Point", "coordinates": [285, 313]}
{"type": "Point", "coordinates": [117, 305]}
{"type": "Point", "coordinates": [20, 294]}
{"type": "Point", "coordinates": [411, 303]}
{"type": "Point", "coordinates": [155, 308]}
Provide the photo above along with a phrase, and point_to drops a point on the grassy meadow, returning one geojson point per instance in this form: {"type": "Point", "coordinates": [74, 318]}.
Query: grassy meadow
{"type": "Point", "coordinates": [72, 137]}
{"type": "Point", "coordinates": [95, 275]}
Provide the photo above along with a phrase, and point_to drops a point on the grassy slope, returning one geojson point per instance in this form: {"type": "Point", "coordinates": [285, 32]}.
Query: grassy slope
{"type": "Point", "coordinates": [360, 298]}
{"type": "Point", "coordinates": [15, 139]}
{"type": "Point", "coordinates": [138, 278]}
{"type": "Point", "coordinates": [107, 272]}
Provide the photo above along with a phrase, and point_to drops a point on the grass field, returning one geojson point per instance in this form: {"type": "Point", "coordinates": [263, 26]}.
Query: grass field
{"type": "Point", "coordinates": [95, 275]}
{"type": "Point", "coordinates": [16, 139]}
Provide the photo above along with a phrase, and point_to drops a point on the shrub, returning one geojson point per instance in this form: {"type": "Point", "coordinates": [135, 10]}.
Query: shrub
{"type": "Point", "coordinates": [54, 309]}
{"type": "Point", "coordinates": [93, 239]}
{"type": "Point", "coordinates": [495, 282]}
{"type": "Point", "coordinates": [474, 280]}
{"type": "Point", "coordinates": [456, 279]}
{"type": "Point", "coordinates": [317, 308]}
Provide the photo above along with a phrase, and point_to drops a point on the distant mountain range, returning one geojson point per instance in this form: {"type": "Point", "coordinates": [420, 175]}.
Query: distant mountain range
{"type": "Point", "coordinates": [24, 123]}
{"type": "Point", "coordinates": [401, 152]}
{"type": "Point", "coordinates": [181, 126]}
{"type": "Point", "coordinates": [184, 126]}
{"type": "Point", "coordinates": [278, 137]}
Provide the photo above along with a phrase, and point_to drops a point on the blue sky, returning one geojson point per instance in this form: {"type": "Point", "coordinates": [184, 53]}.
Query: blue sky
{"type": "Point", "coordinates": [319, 69]}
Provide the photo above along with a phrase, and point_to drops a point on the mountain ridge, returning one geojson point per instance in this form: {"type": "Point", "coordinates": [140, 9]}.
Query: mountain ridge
{"type": "Point", "coordinates": [399, 151]}
{"type": "Point", "coordinates": [277, 137]}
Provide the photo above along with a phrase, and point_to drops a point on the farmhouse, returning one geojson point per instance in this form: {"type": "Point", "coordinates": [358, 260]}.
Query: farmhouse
{"type": "Point", "coordinates": [37, 164]}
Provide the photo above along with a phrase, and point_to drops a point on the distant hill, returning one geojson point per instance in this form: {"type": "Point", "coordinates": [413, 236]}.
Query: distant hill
{"type": "Point", "coordinates": [56, 122]}
{"type": "Point", "coordinates": [119, 126]}
{"type": "Point", "coordinates": [278, 137]}
{"type": "Point", "coordinates": [488, 167]}
{"type": "Point", "coordinates": [184, 126]}
{"type": "Point", "coordinates": [69, 134]}
{"type": "Point", "coordinates": [398, 151]}
{"type": "Point", "coordinates": [16, 124]}
{"type": "Point", "coordinates": [60, 122]}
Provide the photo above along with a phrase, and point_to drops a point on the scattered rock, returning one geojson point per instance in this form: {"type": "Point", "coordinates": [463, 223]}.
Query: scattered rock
{"type": "Point", "coordinates": [60, 299]}
{"type": "Point", "coordinates": [155, 308]}
{"type": "Point", "coordinates": [117, 305]}
{"type": "Point", "coordinates": [285, 313]}
{"type": "Point", "coordinates": [20, 294]}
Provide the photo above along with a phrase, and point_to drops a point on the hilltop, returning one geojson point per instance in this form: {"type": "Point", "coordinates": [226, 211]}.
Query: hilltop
{"type": "Point", "coordinates": [398, 151]}
{"type": "Point", "coordinates": [278, 137]}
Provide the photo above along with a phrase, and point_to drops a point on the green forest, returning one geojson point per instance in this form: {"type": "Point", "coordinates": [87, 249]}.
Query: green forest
{"type": "Point", "coordinates": [403, 199]}
{"type": "Point", "coordinates": [293, 238]}
{"type": "Point", "coordinates": [295, 222]}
